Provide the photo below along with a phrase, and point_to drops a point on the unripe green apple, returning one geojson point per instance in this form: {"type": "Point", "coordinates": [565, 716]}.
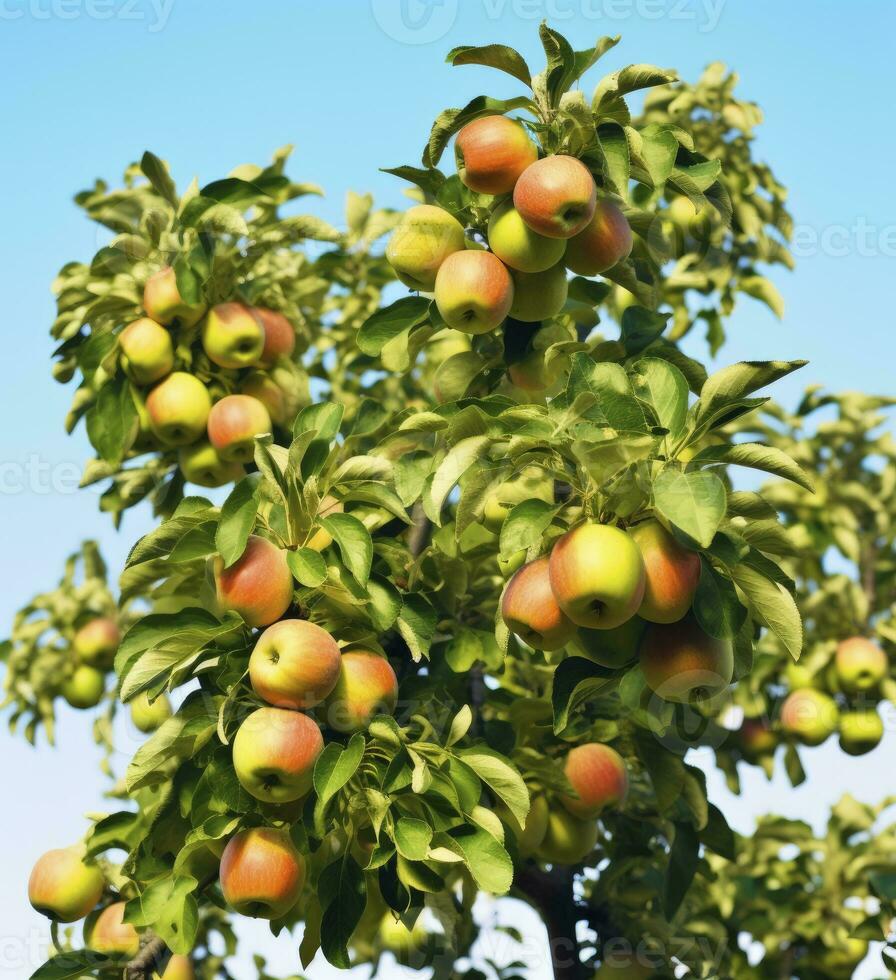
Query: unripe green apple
{"type": "Point", "coordinates": [531, 483]}
{"type": "Point", "coordinates": [860, 731]}
{"type": "Point", "coordinates": [201, 464]}
{"type": "Point", "coordinates": [597, 575]}
{"type": "Point", "coordinates": [688, 219]}
{"type": "Point", "coordinates": [96, 642]}
{"type": "Point", "coordinates": [861, 665]}
{"type": "Point", "coordinates": [539, 295]}
{"type": "Point", "coordinates": [605, 241]}
{"type": "Point", "coordinates": [232, 337]}
{"type": "Point", "coordinates": [279, 335]}
{"type": "Point", "coordinates": [530, 610]}
{"type": "Point", "coordinates": [672, 574]}
{"type": "Point", "coordinates": [233, 424]}
{"type": "Point", "coordinates": [178, 409]}
{"type": "Point", "coordinates": [491, 153]}
{"type": "Point", "coordinates": [556, 196]}
{"type": "Point", "coordinates": [473, 291]}
{"type": "Point", "coordinates": [147, 353]}
{"type": "Point", "coordinates": [63, 886]}
{"type": "Point", "coordinates": [756, 739]}
{"type": "Point", "coordinates": [274, 752]}
{"type": "Point", "coordinates": [85, 687]}
{"type": "Point", "coordinates": [517, 246]}
{"type": "Point", "coordinates": [682, 663]}
{"type": "Point", "coordinates": [599, 777]}
{"type": "Point", "coordinates": [611, 648]}
{"type": "Point", "coordinates": [112, 935]}
{"type": "Point", "coordinates": [367, 686]}
{"type": "Point", "coordinates": [809, 715]}
{"type": "Point", "coordinates": [423, 239]}
{"type": "Point", "coordinates": [179, 967]}
{"type": "Point", "coordinates": [262, 873]}
{"type": "Point", "coordinates": [262, 386]}
{"type": "Point", "coordinates": [258, 585]}
{"type": "Point", "coordinates": [568, 839]}
{"type": "Point", "coordinates": [164, 304]}
{"type": "Point", "coordinates": [402, 942]}
{"type": "Point", "coordinates": [148, 717]}
{"type": "Point", "coordinates": [295, 664]}
{"type": "Point", "coordinates": [529, 836]}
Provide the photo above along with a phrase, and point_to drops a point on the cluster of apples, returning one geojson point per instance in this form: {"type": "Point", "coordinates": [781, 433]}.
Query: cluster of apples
{"type": "Point", "coordinates": [615, 594]}
{"type": "Point", "coordinates": [295, 667]}
{"type": "Point", "coordinates": [66, 887]}
{"type": "Point", "coordinates": [215, 438]}
{"type": "Point", "coordinates": [546, 218]}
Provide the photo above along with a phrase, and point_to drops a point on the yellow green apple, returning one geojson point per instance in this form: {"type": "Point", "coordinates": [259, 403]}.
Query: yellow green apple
{"type": "Point", "coordinates": [164, 304]}
{"type": "Point", "coordinates": [610, 648]}
{"type": "Point", "coordinates": [860, 664]}
{"type": "Point", "coordinates": [809, 715]}
{"type": "Point", "coordinates": [147, 353]}
{"type": "Point", "coordinates": [96, 642]}
{"type": "Point", "coordinates": [84, 687]}
{"type": "Point", "coordinates": [367, 686]}
{"type": "Point", "coordinates": [860, 731]}
{"type": "Point", "coordinates": [64, 886]}
{"type": "Point", "coordinates": [672, 573]}
{"type": "Point", "coordinates": [539, 295]}
{"type": "Point", "coordinates": [262, 873]}
{"type": "Point", "coordinates": [473, 291]}
{"type": "Point", "coordinates": [233, 424]}
{"type": "Point", "coordinates": [232, 337]}
{"type": "Point", "coordinates": [113, 936]}
{"type": "Point", "coordinates": [178, 409]}
{"type": "Point", "coordinates": [201, 464]}
{"type": "Point", "coordinates": [568, 839]}
{"type": "Point", "coordinates": [148, 717]}
{"type": "Point", "coordinates": [295, 664]}
{"type": "Point", "coordinates": [517, 246]}
{"type": "Point", "coordinates": [423, 239]}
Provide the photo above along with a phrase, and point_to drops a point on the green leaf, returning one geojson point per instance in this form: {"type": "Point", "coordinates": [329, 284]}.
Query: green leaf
{"type": "Point", "coordinates": [354, 543]}
{"type": "Point", "coordinates": [342, 891]}
{"type": "Point", "coordinates": [665, 389]}
{"type": "Point", "coordinates": [640, 327]}
{"type": "Point", "coordinates": [757, 456]}
{"type": "Point", "coordinates": [694, 503]}
{"type": "Point", "coordinates": [716, 605]}
{"type": "Point", "coordinates": [71, 965]}
{"type": "Point", "coordinates": [629, 79]}
{"type": "Point", "coordinates": [683, 859]}
{"type": "Point", "coordinates": [524, 526]}
{"type": "Point", "coordinates": [307, 566]}
{"type": "Point", "coordinates": [617, 162]}
{"type": "Point", "coordinates": [156, 172]}
{"type": "Point", "coordinates": [487, 861]}
{"type": "Point", "coordinates": [498, 56]}
{"type": "Point", "coordinates": [335, 766]}
{"type": "Point", "coordinates": [111, 420]}
{"type": "Point", "coordinates": [417, 624]}
{"type": "Point", "coordinates": [412, 838]}
{"type": "Point", "coordinates": [717, 835]}
{"type": "Point", "coordinates": [237, 519]}
{"type": "Point", "coordinates": [762, 289]}
{"type": "Point", "coordinates": [577, 680]}
{"type": "Point", "coordinates": [772, 605]}
{"type": "Point", "coordinates": [460, 725]}
{"type": "Point", "coordinates": [457, 461]}
{"type": "Point", "coordinates": [736, 382]}
{"type": "Point", "coordinates": [501, 776]}
{"type": "Point", "coordinates": [391, 321]}
{"type": "Point", "coordinates": [450, 121]}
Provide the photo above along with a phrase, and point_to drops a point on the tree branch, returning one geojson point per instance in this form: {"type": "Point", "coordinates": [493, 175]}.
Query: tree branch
{"type": "Point", "coordinates": [152, 958]}
{"type": "Point", "coordinates": [551, 895]}
{"type": "Point", "coordinates": [419, 533]}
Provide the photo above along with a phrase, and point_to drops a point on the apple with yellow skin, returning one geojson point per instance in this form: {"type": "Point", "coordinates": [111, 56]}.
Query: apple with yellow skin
{"type": "Point", "coordinates": [279, 335]}
{"type": "Point", "coordinates": [531, 834]}
{"type": "Point", "coordinates": [322, 538]}
{"type": "Point", "coordinates": [178, 409]}
{"type": "Point", "coordinates": [530, 610]}
{"type": "Point", "coordinates": [473, 291]}
{"type": "Point", "coordinates": [148, 717]}
{"type": "Point", "coordinates": [233, 424]}
{"type": "Point", "coordinates": [531, 484]}
{"type": "Point", "coordinates": [367, 686]}
{"type": "Point", "coordinates": [568, 839]}
{"type": "Point", "coordinates": [262, 386]}
{"type": "Point", "coordinates": [809, 715]}
{"type": "Point", "coordinates": [860, 731]}
{"type": "Point", "coordinates": [63, 886]}
{"type": "Point", "coordinates": [517, 246]}
{"type": "Point", "coordinates": [860, 664]}
{"type": "Point", "coordinates": [604, 242]}
{"type": "Point", "coordinates": [164, 304]}
{"type": "Point", "coordinates": [96, 642]}
{"type": "Point", "coordinates": [539, 295]}
{"type": "Point", "coordinates": [179, 967]}
{"type": "Point", "coordinates": [232, 337]}
{"type": "Point", "coordinates": [599, 777]}
{"type": "Point", "coordinates": [610, 648]}
{"type": "Point", "coordinates": [295, 664]}
{"type": "Point", "coordinates": [112, 935]}
{"type": "Point", "coordinates": [262, 873]}
{"type": "Point", "coordinates": [258, 585]}
{"type": "Point", "coordinates": [556, 196]}
{"type": "Point", "coordinates": [85, 687]}
{"type": "Point", "coordinates": [756, 739]}
{"type": "Point", "coordinates": [681, 663]}
{"type": "Point", "coordinates": [422, 241]}
{"type": "Point", "coordinates": [147, 353]}
{"type": "Point", "coordinates": [491, 153]}
{"type": "Point", "coordinates": [274, 752]}
{"type": "Point", "coordinates": [597, 575]}
{"type": "Point", "coordinates": [201, 464]}
{"type": "Point", "coordinates": [672, 573]}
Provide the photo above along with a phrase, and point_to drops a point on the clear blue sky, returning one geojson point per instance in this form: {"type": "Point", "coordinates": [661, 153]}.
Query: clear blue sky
{"type": "Point", "coordinates": [89, 84]}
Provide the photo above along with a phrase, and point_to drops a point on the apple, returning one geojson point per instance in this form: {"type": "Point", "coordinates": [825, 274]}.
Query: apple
{"type": "Point", "coordinates": [809, 715]}
{"type": "Point", "coordinates": [556, 196]}
{"type": "Point", "coordinates": [610, 648]}
{"type": "Point", "coordinates": [148, 717]}
{"type": "Point", "coordinates": [756, 738]}
{"type": "Point", "coordinates": [672, 573]}
{"type": "Point", "coordinates": [96, 642]}
{"type": "Point", "coordinates": [85, 687]}
{"type": "Point", "coordinates": [473, 291]}
{"type": "Point", "coordinates": [274, 752]}
{"type": "Point", "coordinates": [517, 246]}
{"type": "Point", "coordinates": [605, 241]}
{"type": "Point", "coordinates": [367, 686]}
{"type": "Point", "coordinates": [178, 409]}
{"type": "Point", "coordinates": [262, 386]}
{"type": "Point", "coordinates": [530, 610]}
{"type": "Point", "coordinates": [860, 731]}
{"type": "Point", "coordinates": [401, 942]}
{"type": "Point", "coordinates": [422, 241]}
{"type": "Point", "coordinates": [597, 574]}
{"type": "Point", "coordinates": [599, 777]}
{"type": "Point", "coordinates": [147, 353]}
{"type": "Point", "coordinates": [539, 295]}
{"type": "Point", "coordinates": [568, 839]}
{"type": "Point", "coordinates": [688, 218]}
{"type": "Point", "coordinates": [295, 664]}
{"type": "Point", "coordinates": [233, 424]}
{"type": "Point", "coordinates": [201, 464]}
{"type": "Point", "coordinates": [262, 873]}
{"type": "Point", "coordinates": [279, 335]}
{"type": "Point", "coordinates": [532, 483]}
{"type": "Point", "coordinates": [322, 538]}
{"type": "Point", "coordinates": [232, 337]}
{"type": "Point", "coordinates": [258, 585]}
{"type": "Point", "coordinates": [860, 664]}
{"type": "Point", "coordinates": [529, 836]}
{"type": "Point", "coordinates": [491, 153]}
{"type": "Point", "coordinates": [179, 967]}
{"type": "Point", "coordinates": [533, 374]}
{"type": "Point", "coordinates": [113, 936]}
{"type": "Point", "coordinates": [164, 304]}
{"type": "Point", "coordinates": [682, 663]}
{"type": "Point", "coordinates": [63, 886]}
